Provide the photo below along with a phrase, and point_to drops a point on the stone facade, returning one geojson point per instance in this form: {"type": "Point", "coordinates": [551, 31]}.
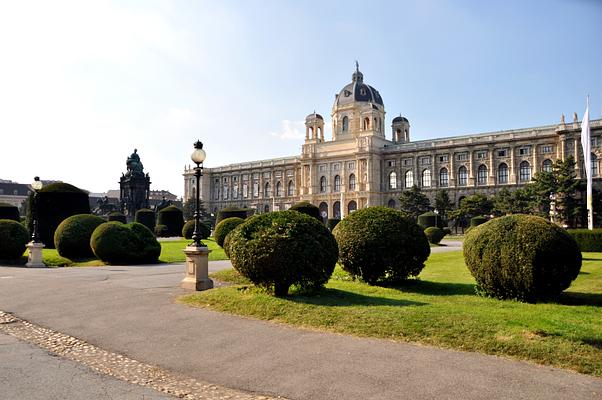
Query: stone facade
{"type": "Point", "coordinates": [361, 167]}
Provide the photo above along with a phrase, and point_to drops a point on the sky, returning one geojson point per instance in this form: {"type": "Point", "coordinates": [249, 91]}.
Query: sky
{"type": "Point", "coordinates": [84, 83]}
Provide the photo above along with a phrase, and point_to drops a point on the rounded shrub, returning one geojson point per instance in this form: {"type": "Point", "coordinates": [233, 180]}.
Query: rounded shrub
{"type": "Point", "coordinates": [173, 218]}
{"type": "Point", "coordinates": [117, 243]}
{"type": "Point", "coordinates": [283, 248]}
{"type": "Point", "coordinates": [226, 245]}
{"type": "Point", "coordinates": [188, 230]}
{"type": "Point", "coordinates": [231, 212]}
{"type": "Point", "coordinates": [161, 231]}
{"type": "Point", "coordinates": [428, 219]}
{"type": "Point", "coordinates": [8, 211]}
{"type": "Point", "coordinates": [305, 207]}
{"type": "Point", "coordinates": [379, 243]}
{"type": "Point", "coordinates": [72, 236]}
{"type": "Point", "coordinates": [13, 238]}
{"type": "Point", "coordinates": [55, 203]}
{"type": "Point", "coordinates": [434, 234]}
{"type": "Point", "coordinates": [224, 227]}
{"type": "Point", "coordinates": [521, 257]}
{"type": "Point", "coordinates": [117, 216]}
{"type": "Point", "coordinates": [447, 231]}
{"type": "Point", "coordinates": [476, 221]}
{"type": "Point", "coordinates": [145, 217]}
{"type": "Point", "coordinates": [332, 223]}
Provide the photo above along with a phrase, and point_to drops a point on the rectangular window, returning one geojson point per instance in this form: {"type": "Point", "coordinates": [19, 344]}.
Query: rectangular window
{"type": "Point", "coordinates": [322, 168]}
{"type": "Point", "coordinates": [594, 142]}
{"type": "Point", "coordinates": [524, 151]}
{"type": "Point", "coordinates": [407, 162]}
{"type": "Point", "coordinates": [462, 156]}
{"type": "Point", "coordinates": [245, 190]}
{"type": "Point", "coordinates": [267, 175]}
{"type": "Point", "coordinates": [481, 155]}
{"type": "Point", "coordinates": [502, 153]}
{"type": "Point", "coordinates": [546, 149]}
{"type": "Point", "coordinates": [256, 189]}
{"type": "Point", "coordinates": [226, 192]}
{"type": "Point", "coordinates": [443, 158]}
{"type": "Point", "coordinates": [336, 166]}
{"type": "Point", "coordinates": [425, 160]}
{"type": "Point", "coordinates": [278, 174]}
{"type": "Point", "coordinates": [351, 166]}
{"type": "Point", "coordinates": [289, 172]}
{"type": "Point", "coordinates": [390, 163]}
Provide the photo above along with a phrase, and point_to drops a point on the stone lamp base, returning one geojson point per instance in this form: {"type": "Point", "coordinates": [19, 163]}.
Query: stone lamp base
{"type": "Point", "coordinates": [197, 269]}
{"type": "Point", "coordinates": [34, 259]}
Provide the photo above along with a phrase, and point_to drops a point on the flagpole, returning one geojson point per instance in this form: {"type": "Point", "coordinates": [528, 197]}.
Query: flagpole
{"type": "Point", "coordinates": [586, 145]}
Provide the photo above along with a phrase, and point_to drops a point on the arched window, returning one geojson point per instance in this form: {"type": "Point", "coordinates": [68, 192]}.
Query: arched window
{"type": "Point", "coordinates": [482, 175]}
{"type": "Point", "coordinates": [426, 178]}
{"type": "Point", "coordinates": [345, 124]}
{"type": "Point", "coordinates": [366, 123]}
{"type": "Point", "coordinates": [524, 171]}
{"type": "Point", "coordinates": [311, 132]}
{"type": "Point", "coordinates": [391, 203]}
{"type": "Point", "coordinates": [462, 176]}
{"type": "Point", "coordinates": [594, 159]}
{"type": "Point", "coordinates": [392, 180]}
{"type": "Point", "coordinates": [337, 183]}
{"type": "Point", "coordinates": [546, 166]}
{"type": "Point", "coordinates": [323, 184]}
{"type": "Point", "coordinates": [409, 179]}
{"type": "Point", "coordinates": [319, 132]}
{"type": "Point", "coordinates": [443, 177]}
{"type": "Point", "coordinates": [397, 137]}
{"type": "Point", "coordinates": [291, 188]}
{"type": "Point", "coordinates": [502, 173]}
{"type": "Point", "coordinates": [351, 207]}
{"type": "Point", "coordinates": [266, 208]}
{"type": "Point", "coordinates": [336, 210]}
{"type": "Point", "coordinates": [267, 192]}
{"type": "Point", "coordinates": [324, 211]}
{"type": "Point", "coordinates": [278, 189]}
{"type": "Point", "coordinates": [352, 182]}
{"type": "Point", "coordinates": [256, 189]}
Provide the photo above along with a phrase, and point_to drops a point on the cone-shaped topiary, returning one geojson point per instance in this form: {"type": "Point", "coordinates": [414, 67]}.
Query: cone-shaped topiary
{"type": "Point", "coordinates": [146, 217]}
{"type": "Point", "coordinates": [521, 257]}
{"type": "Point", "coordinates": [428, 219]}
{"type": "Point", "coordinates": [188, 229]}
{"type": "Point", "coordinates": [434, 234]}
{"type": "Point", "coordinates": [476, 221]}
{"type": "Point", "coordinates": [117, 243]}
{"type": "Point", "coordinates": [8, 211]}
{"type": "Point", "coordinates": [224, 227]}
{"type": "Point", "coordinates": [72, 236]}
{"type": "Point", "coordinates": [305, 207]}
{"type": "Point", "coordinates": [379, 243]}
{"type": "Point", "coordinates": [283, 248]}
{"type": "Point", "coordinates": [231, 212]}
{"type": "Point", "coordinates": [117, 216]}
{"type": "Point", "coordinates": [173, 218]}
{"type": "Point", "coordinates": [56, 202]}
{"type": "Point", "coordinates": [13, 238]}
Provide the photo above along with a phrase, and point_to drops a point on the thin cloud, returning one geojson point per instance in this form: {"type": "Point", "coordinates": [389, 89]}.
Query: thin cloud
{"type": "Point", "coordinates": [291, 130]}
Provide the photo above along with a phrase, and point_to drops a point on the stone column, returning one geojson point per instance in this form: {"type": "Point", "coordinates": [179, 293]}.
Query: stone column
{"type": "Point", "coordinates": [512, 172]}
{"type": "Point", "coordinates": [536, 168]}
{"type": "Point", "coordinates": [577, 143]}
{"type": "Point", "coordinates": [197, 269]}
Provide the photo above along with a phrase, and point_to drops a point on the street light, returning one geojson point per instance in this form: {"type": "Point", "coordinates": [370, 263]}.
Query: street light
{"type": "Point", "coordinates": [36, 186]}
{"type": "Point", "coordinates": [198, 156]}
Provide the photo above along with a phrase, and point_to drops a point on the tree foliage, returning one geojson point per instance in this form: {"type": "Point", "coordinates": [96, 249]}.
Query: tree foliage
{"type": "Point", "coordinates": [413, 203]}
{"type": "Point", "coordinates": [442, 203]}
{"type": "Point", "coordinates": [472, 206]}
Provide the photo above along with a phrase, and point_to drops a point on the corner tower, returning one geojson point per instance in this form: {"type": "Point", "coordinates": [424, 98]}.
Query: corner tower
{"type": "Point", "coordinates": [358, 110]}
{"type": "Point", "coordinates": [314, 128]}
{"type": "Point", "coordinates": [401, 130]}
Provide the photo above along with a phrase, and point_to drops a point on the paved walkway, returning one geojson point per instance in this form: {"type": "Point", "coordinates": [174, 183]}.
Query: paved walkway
{"type": "Point", "coordinates": [131, 311]}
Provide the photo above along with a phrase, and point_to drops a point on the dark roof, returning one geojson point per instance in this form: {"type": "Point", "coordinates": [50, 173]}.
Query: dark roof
{"type": "Point", "coordinates": [314, 115]}
{"type": "Point", "coordinates": [357, 90]}
{"type": "Point", "coordinates": [400, 119]}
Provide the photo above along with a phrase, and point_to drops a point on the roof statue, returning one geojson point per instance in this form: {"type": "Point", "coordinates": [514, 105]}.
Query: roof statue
{"type": "Point", "coordinates": [575, 117]}
{"type": "Point", "coordinates": [562, 119]}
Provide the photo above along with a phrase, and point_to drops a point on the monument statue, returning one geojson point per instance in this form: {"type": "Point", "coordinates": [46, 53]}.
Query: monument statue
{"type": "Point", "coordinates": [134, 186]}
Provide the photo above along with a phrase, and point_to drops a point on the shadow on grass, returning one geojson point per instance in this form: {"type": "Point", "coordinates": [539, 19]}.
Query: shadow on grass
{"type": "Point", "coordinates": [434, 288]}
{"type": "Point", "coordinates": [580, 299]}
{"type": "Point", "coordinates": [597, 343]}
{"type": "Point", "coordinates": [340, 298]}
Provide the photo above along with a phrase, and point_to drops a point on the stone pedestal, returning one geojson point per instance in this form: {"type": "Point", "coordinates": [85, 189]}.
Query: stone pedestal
{"type": "Point", "coordinates": [197, 269]}
{"type": "Point", "coordinates": [35, 255]}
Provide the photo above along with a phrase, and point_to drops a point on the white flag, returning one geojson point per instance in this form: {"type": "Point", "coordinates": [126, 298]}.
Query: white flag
{"type": "Point", "coordinates": [587, 159]}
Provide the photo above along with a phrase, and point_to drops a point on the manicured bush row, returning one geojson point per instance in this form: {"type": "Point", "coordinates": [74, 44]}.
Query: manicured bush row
{"type": "Point", "coordinates": [305, 207]}
{"type": "Point", "coordinates": [224, 228]}
{"type": "Point", "coordinates": [283, 248]}
{"type": "Point", "coordinates": [13, 238]}
{"type": "Point", "coordinates": [146, 217]}
{"type": "Point", "coordinates": [379, 243]}
{"type": "Point", "coordinates": [521, 257]}
{"type": "Point", "coordinates": [72, 236]}
{"type": "Point", "coordinates": [173, 218]}
{"type": "Point", "coordinates": [118, 243]}
{"type": "Point", "coordinates": [8, 211]}
{"type": "Point", "coordinates": [586, 239]}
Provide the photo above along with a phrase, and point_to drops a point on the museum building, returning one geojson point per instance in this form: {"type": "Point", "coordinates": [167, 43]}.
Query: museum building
{"type": "Point", "coordinates": [364, 166]}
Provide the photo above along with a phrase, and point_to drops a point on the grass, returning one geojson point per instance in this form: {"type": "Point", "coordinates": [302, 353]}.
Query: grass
{"type": "Point", "coordinates": [171, 252]}
{"type": "Point", "coordinates": [440, 309]}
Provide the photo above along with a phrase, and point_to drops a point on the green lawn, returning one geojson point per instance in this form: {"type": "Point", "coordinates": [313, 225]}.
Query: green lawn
{"type": "Point", "coordinates": [440, 308]}
{"type": "Point", "coordinates": [171, 252]}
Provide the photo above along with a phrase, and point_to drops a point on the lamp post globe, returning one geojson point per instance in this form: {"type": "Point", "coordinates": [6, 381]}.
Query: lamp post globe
{"type": "Point", "coordinates": [198, 157]}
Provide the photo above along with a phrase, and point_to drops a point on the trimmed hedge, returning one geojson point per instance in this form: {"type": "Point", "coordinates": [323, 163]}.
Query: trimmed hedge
{"type": "Point", "coordinates": [145, 217]}
{"type": "Point", "coordinates": [13, 238]}
{"type": "Point", "coordinates": [521, 257]}
{"type": "Point", "coordinates": [173, 218]}
{"type": "Point", "coordinates": [161, 231]}
{"type": "Point", "coordinates": [476, 221]}
{"type": "Point", "coordinates": [72, 236]}
{"type": "Point", "coordinates": [332, 223]}
{"type": "Point", "coordinates": [434, 234]}
{"type": "Point", "coordinates": [117, 243]}
{"type": "Point", "coordinates": [283, 248]}
{"type": "Point", "coordinates": [55, 203]}
{"type": "Point", "coordinates": [231, 212]}
{"type": "Point", "coordinates": [117, 216]}
{"type": "Point", "coordinates": [305, 207]}
{"type": "Point", "coordinates": [586, 239]}
{"type": "Point", "coordinates": [8, 211]}
{"type": "Point", "coordinates": [226, 245]}
{"type": "Point", "coordinates": [379, 243]}
{"type": "Point", "coordinates": [188, 229]}
{"type": "Point", "coordinates": [224, 227]}
{"type": "Point", "coordinates": [428, 219]}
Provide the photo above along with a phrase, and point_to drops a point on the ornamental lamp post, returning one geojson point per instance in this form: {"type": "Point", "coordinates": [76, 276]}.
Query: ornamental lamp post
{"type": "Point", "coordinates": [198, 156]}
{"type": "Point", "coordinates": [34, 259]}
{"type": "Point", "coordinates": [197, 254]}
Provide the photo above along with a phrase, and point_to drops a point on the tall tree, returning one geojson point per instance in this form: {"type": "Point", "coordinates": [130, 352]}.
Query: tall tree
{"type": "Point", "coordinates": [472, 206]}
{"type": "Point", "coordinates": [413, 202]}
{"type": "Point", "coordinates": [520, 201]}
{"type": "Point", "coordinates": [442, 203]}
{"type": "Point", "coordinates": [190, 207]}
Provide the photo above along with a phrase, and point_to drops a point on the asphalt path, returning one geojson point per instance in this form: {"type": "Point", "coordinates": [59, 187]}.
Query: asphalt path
{"type": "Point", "coordinates": [131, 310]}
